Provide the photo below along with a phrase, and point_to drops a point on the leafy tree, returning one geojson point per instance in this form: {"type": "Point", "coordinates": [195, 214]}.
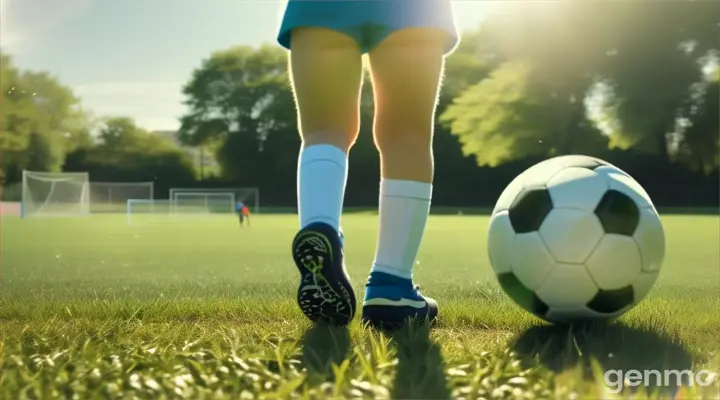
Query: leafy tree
{"type": "Point", "coordinates": [242, 96]}
{"type": "Point", "coordinates": [126, 152]}
{"type": "Point", "coordinates": [472, 61]}
{"type": "Point", "coordinates": [38, 114]}
{"type": "Point", "coordinates": [42, 154]}
{"type": "Point", "coordinates": [81, 126]}
{"type": "Point", "coordinates": [509, 116]}
{"type": "Point", "coordinates": [575, 69]}
{"type": "Point", "coordinates": [121, 136]}
{"type": "Point", "coordinates": [657, 59]}
{"type": "Point", "coordinates": [698, 137]}
{"type": "Point", "coordinates": [533, 103]}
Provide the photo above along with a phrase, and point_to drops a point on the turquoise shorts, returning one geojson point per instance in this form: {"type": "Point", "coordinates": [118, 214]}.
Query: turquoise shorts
{"type": "Point", "coordinates": [369, 21]}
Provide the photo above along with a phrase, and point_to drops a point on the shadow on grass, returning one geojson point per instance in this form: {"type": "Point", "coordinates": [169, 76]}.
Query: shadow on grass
{"type": "Point", "coordinates": [616, 348]}
{"type": "Point", "coordinates": [421, 368]}
{"type": "Point", "coordinates": [324, 345]}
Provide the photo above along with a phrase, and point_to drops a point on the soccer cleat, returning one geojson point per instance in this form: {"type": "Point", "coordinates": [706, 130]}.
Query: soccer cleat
{"type": "Point", "coordinates": [325, 292]}
{"type": "Point", "coordinates": [391, 301]}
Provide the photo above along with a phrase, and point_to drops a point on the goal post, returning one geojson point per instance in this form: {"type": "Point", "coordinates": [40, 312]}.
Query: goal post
{"type": "Point", "coordinates": [203, 203]}
{"type": "Point", "coordinates": [54, 194]}
{"type": "Point", "coordinates": [250, 196]}
{"type": "Point", "coordinates": [108, 197]}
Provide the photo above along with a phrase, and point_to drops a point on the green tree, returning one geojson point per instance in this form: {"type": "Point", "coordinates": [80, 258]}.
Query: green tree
{"type": "Point", "coordinates": [121, 136]}
{"type": "Point", "coordinates": [41, 154]}
{"type": "Point", "coordinates": [36, 103]}
{"type": "Point", "coordinates": [576, 69]}
{"type": "Point", "coordinates": [658, 56]}
{"type": "Point", "coordinates": [81, 126]}
{"type": "Point", "coordinates": [126, 152]}
{"type": "Point", "coordinates": [242, 96]}
{"type": "Point", "coordinates": [698, 138]}
{"type": "Point", "coordinates": [512, 115]}
{"type": "Point", "coordinates": [533, 102]}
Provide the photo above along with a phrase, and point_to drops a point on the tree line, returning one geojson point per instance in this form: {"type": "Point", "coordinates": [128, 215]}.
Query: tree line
{"type": "Point", "coordinates": [635, 84]}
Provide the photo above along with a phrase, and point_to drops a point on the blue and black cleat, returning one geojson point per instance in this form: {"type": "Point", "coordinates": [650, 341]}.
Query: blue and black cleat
{"type": "Point", "coordinates": [325, 293]}
{"type": "Point", "coordinates": [391, 302]}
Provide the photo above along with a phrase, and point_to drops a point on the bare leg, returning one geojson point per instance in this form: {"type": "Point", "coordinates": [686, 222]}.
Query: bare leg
{"type": "Point", "coordinates": [406, 73]}
{"type": "Point", "coordinates": [327, 76]}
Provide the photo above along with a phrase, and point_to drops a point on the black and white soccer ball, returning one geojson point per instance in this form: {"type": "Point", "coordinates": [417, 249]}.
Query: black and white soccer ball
{"type": "Point", "coordinates": [575, 238]}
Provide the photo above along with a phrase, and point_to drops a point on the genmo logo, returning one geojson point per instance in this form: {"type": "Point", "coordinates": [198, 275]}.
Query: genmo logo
{"type": "Point", "coordinates": [617, 380]}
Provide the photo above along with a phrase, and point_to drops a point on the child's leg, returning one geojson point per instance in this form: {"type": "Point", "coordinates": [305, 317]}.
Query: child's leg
{"type": "Point", "coordinates": [406, 72]}
{"type": "Point", "coordinates": [326, 76]}
{"type": "Point", "coordinates": [326, 72]}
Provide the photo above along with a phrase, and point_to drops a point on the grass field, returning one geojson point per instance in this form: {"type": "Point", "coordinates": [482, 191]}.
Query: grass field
{"type": "Point", "coordinates": [93, 308]}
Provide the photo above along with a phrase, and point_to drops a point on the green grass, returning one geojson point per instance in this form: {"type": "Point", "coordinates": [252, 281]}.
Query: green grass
{"type": "Point", "coordinates": [93, 308]}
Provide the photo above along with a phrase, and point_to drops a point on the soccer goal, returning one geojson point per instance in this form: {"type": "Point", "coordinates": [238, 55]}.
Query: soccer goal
{"type": "Point", "coordinates": [147, 211]}
{"type": "Point", "coordinates": [184, 203]}
{"type": "Point", "coordinates": [54, 194]}
{"type": "Point", "coordinates": [112, 197]}
{"type": "Point", "coordinates": [249, 195]}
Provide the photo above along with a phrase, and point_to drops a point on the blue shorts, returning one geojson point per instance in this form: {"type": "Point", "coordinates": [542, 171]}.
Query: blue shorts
{"type": "Point", "coordinates": [369, 21]}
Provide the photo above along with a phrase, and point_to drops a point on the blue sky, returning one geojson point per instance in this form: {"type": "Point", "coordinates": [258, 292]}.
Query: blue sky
{"type": "Point", "coordinates": [131, 57]}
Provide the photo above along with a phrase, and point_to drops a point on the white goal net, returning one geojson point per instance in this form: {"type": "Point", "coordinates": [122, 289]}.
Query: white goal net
{"type": "Point", "coordinates": [50, 194]}
{"type": "Point", "coordinates": [112, 197]}
{"type": "Point", "coordinates": [203, 203]}
{"type": "Point", "coordinates": [248, 196]}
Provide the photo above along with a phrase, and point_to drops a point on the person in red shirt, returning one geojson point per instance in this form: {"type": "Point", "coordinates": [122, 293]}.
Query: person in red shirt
{"type": "Point", "coordinates": [245, 215]}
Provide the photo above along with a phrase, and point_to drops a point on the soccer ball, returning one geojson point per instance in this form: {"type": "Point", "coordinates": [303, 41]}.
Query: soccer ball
{"type": "Point", "coordinates": [575, 238]}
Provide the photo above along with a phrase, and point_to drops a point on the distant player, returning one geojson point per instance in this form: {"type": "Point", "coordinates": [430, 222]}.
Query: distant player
{"type": "Point", "coordinates": [406, 41]}
{"type": "Point", "coordinates": [243, 213]}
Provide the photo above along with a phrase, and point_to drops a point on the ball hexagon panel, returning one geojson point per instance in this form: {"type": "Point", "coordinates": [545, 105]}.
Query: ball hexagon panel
{"type": "Point", "coordinates": [500, 242]}
{"type": "Point", "coordinates": [643, 284]}
{"type": "Point", "coordinates": [529, 209]}
{"type": "Point", "coordinates": [567, 286]}
{"type": "Point", "coordinates": [612, 301]}
{"type": "Point", "coordinates": [618, 213]}
{"type": "Point", "coordinates": [577, 188]}
{"type": "Point", "coordinates": [534, 263]}
{"type": "Point", "coordinates": [650, 238]}
{"type": "Point", "coordinates": [571, 235]}
{"type": "Point", "coordinates": [507, 197]}
{"type": "Point", "coordinates": [615, 262]}
{"type": "Point", "coordinates": [623, 183]}
{"type": "Point", "coordinates": [521, 295]}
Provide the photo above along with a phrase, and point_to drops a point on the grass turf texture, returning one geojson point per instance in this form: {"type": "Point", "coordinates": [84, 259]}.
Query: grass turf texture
{"type": "Point", "coordinates": [199, 308]}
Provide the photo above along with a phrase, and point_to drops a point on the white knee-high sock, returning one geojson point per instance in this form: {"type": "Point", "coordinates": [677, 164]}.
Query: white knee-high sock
{"type": "Point", "coordinates": [404, 209]}
{"type": "Point", "coordinates": [321, 179]}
